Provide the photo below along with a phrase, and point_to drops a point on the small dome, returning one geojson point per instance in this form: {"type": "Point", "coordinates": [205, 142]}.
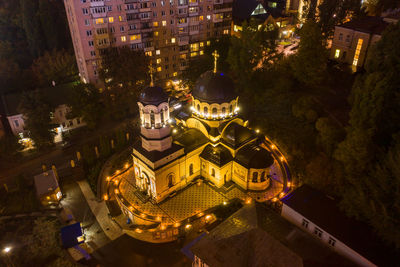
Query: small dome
{"type": "Point", "coordinates": [214, 88]}
{"type": "Point", "coordinates": [153, 95]}
{"type": "Point", "coordinates": [254, 156]}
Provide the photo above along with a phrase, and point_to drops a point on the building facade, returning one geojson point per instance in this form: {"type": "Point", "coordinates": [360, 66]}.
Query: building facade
{"type": "Point", "coordinates": [209, 140]}
{"type": "Point", "coordinates": [352, 40]}
{"type": "Point", "coordinates": [169, 31]}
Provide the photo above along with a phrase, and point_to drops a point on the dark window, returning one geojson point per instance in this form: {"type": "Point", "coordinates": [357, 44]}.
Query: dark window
{"type": "Point", "coordinates": [152, 120]}
{"type": "Point", "coordinates": [191, 169]}
{"type": "Point", "coordinates": [230, 109]}
{"type": "Point", "coordinates": [205, 111]}
{"type": "Point", "coordinates": [214, 111]}
{"type": "Point", "coordinates": [198, 107]}
{"type": "Point", "coordinates": [318, 232]}
{"type": "Point", "coordinates": [331, 241]}
{"type": "Point", "coordinates": [170, 180]}
{"type": "Point", "coordinates": [162, 116]}
{"type": "Point", "coordinates": [223, 110]}
{"type": "Point", "coordinates": [213, 172]}
{"type": "Point", "coordinates": [255, 177]}
{"type": "Point", "coordinates": [262, 179]}
{"type": "Point", "coordinates": [305, 223]}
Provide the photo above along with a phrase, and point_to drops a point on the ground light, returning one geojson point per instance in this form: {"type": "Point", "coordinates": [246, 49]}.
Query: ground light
{"type": "Point", "coordinates": [7, 249]}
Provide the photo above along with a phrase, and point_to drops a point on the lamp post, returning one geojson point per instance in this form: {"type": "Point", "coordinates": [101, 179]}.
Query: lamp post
{"type": "Point", "coordinates": [7, 251]}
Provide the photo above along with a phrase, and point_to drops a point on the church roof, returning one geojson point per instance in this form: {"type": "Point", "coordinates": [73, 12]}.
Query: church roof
{"type": "Point", "coordinates": [214, 88]}
{"type": "Point", "coordinates": [218, 155]}
{"type": "Point", "coordinates": [153, 95]}
{"type": "Point", "coordinates": [191, 139]}
{"type": "Point", "coordinates": [236, 135]}
{"type": "Point", "coordinates": [254, 156]}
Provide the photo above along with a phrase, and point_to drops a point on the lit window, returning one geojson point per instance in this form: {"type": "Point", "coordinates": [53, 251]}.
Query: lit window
{"type": "Point", "coordinates": [337, 53]}
{"type": "Point", "coordinates": [158, 60]}
{"type": "Point", "coordinates": [201, 18]}
{"type": "Point", "coordinates": [155, 23]}
{"type": "Point", "coordinates": [226, 31]}
{"type": "Point", "coordinates": [120, 18]}
{"type": "Point", "coordinates": [201, 44]}
{"type": "Point", "coordinates": [111, 19]}
{"type": "Point", "coordinates": [164, 23]}
{"type": "Point", "coordinates": [358, 50]}
{"type": "Point", "coordinates": [208, 43]}
{"type": "Point", "coordinates": [100, 21]}
{"type": "Point", "coordinates": [155, 33]}
{"type": "Point", "coordinates": [173, 40]}
{"type": "Point", "coordinates": [208, 17]}
{"type": "Point", "coordinates": [158, 69]}
{"type": "Point", "coordinates": [193, 54]}
{"type": "Point", "coordinates": [175, 74]}
{"type": "Point", "coordinates": [201, 52]}
{"type": "Point", "coordinates": [135, 37]}
{"type": "Point", "coordinates": [158, 52]}
{"type": "Point", "coordinates": [123, 38]}
{"type": "Point", "coordinates": [148, 53]}
{"type": "Point", "coordinates": [80, 239]}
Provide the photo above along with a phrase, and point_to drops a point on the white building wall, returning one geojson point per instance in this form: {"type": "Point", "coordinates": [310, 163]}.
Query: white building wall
{"type": "Point", "coordinates": [297, 219]}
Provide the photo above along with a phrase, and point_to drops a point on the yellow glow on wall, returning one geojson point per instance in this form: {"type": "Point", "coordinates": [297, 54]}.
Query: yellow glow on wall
{"type": "Point", "coordinates": [358, 50]}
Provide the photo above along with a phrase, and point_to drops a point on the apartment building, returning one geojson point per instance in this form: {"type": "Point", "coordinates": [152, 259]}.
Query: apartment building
{"type": "Point", "coordinates": [169, 31]}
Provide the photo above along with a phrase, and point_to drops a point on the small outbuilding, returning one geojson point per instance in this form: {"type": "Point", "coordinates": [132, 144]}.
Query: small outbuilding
{"type": "Point", "coordinates": [47, 188]}
{"type": "Point", "coordinates": [72, 235]}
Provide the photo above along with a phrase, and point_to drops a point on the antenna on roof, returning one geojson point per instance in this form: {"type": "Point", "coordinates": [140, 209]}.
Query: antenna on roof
{"type": "Point", "coordinates": [216, 56]}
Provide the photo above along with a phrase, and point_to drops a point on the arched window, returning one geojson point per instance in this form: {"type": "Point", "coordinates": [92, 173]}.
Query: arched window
{"type": "Point", "coordinates": [205, 111]}
{"type": "Point", "coordinates": [230, 109]}
{"type": "Point", "coordinates": [262, 179]}
{"type": "Point", "coordinates": [170, 180]}
{"type": "Point", "coordinates": [191, 169]}
{"type": "Point", "coordinates": [255, 177]}
{"type": "Point", "coordinates": [213, 172]}
{"type": "Point", "coordinates": [214, 111]}
{"type": "Point", "coordinates": [223, 111]}
{"type": "Point", "coordinates": [162, 116]}
{"type": "Point", "coordinates": [198, 107]}
{"type": "Point", "coordinates": [152, 120]}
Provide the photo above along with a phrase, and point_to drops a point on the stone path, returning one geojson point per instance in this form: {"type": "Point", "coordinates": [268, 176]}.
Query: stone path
{"type": "Point", "coordinates": [100, 211]}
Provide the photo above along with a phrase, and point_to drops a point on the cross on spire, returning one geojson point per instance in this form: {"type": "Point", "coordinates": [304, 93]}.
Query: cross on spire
{"type": "Point", "coordinates": [151, 71]}
{"type": "Point", "coordinates": [216, 56]}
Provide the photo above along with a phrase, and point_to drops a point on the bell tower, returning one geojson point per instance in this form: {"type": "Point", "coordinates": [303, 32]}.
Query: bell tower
{"type": "Point", "coordinates": [155, 128]}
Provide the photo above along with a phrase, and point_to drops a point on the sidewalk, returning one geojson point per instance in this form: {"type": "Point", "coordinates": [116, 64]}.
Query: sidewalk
{"type": "Point", "coordinates": [100, 211]}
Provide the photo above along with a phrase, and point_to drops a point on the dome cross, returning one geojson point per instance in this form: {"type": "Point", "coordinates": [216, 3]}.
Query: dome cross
{"type": "Point", "coordinates": [216, 56]}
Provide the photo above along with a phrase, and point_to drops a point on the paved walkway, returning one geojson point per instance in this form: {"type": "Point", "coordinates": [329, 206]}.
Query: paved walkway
{"type": "Point", "coordinates": [100, 211]}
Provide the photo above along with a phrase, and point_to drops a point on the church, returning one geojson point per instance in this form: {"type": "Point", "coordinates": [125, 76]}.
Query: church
{"type": "Point", "coordinates": [209, 140]}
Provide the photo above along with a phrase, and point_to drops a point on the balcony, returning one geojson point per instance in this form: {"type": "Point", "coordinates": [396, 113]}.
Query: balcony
{"type": "Point", "coordinates": [193, 32]}
{"type": "Point", "coordinates": [97, 3]}
{"type": "Point", "coordinates": [183, 40]}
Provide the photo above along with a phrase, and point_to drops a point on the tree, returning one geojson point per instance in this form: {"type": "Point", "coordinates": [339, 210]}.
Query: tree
{"type": "Point", "coordinates": [309, 64]}
{"type": "Point", "coordinates": [36, 111]}
{"type": "Point", "coordinates": [123, 72]}
{"type": "Point", "coordinates": [254, 49]}
{"type": "Point", "coordinates": [57, 65]}
{"type": "Point", "coordinates": [329, 134]}
{"type": "Point", "coordinates": [372, 143]}
{"type": "Point", "coordinates": [31, 25]}
{"type": "Point", "coordinates": [334, 12]}
{"type": "Point", "coordinates": [43, 242]}
{"type": "Point", "coordinates": [205, 62]}
{"type": "Point", "coordinates": [85, 102]}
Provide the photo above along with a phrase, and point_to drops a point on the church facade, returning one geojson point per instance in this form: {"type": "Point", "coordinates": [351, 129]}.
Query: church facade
{"type": "Point", "coordinates": [209, 139]}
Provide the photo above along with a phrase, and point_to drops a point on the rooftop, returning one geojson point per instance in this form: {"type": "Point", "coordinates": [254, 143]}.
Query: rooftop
{"type": "Point", "coordinates": [324, 212]}
{"type": "Point", "coordinates": [255, 234]}
{"type": "Point", "coordinates": [45, 182]}
{"type": "Point", "coordinates": [369, 24]}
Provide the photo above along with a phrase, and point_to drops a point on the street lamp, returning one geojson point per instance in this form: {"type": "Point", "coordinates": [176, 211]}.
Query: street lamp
{"type": "Point", "coordinates": [7, 251]}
